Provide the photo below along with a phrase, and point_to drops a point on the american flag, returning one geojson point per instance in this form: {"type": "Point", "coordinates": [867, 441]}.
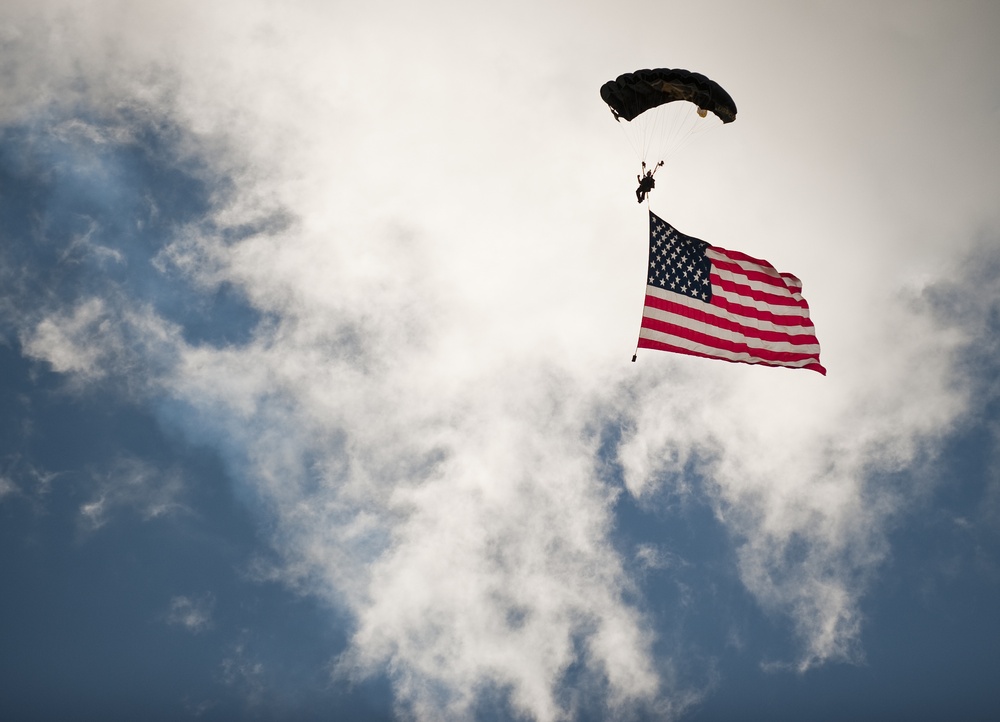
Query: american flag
{"type": "Point", "coordinates": [706, 301]}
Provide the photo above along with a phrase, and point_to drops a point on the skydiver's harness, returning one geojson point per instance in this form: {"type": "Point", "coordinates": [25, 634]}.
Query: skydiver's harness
{"type": "Point", "coordinates": [646, 182]}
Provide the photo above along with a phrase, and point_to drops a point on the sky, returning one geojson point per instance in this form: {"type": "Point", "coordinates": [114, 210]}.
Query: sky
{"type": "Point", "coordinates": [316, 393]}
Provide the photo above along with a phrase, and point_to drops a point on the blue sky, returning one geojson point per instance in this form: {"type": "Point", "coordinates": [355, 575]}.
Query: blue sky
{"type": "Point", "coordinates": [315, 392]}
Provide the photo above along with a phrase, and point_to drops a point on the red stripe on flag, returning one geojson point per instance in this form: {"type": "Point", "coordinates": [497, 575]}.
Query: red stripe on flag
{"type": "Point", "coordinates": [733, 347]}
{"type": "Point", "coordinates": [658, 346]}
{"type": "Point", "coordinates": [771, 299]}
{"type": "Point", "coordinates": [748, 312]}
{"type": "Point", "coordinates": [800, 334]}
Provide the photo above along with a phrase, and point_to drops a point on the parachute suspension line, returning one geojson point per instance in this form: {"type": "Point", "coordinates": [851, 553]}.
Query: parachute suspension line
{"type": "Point", "coordinates": [684, 124]}
{"type": "Point", "coordinates": [643, 129]}
{"type": "Point", "coordinates": [630, 138]}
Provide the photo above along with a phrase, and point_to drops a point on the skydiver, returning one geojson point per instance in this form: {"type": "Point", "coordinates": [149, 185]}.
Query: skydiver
{"type": "Point", "coordinates": [646, 182]}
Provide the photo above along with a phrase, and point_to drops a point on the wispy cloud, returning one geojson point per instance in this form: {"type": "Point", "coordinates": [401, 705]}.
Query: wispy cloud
{"type": "Point", "coordinates": [246, 674]}
{"type": "Point", "coordinates": [192, 613]}
{"type": "Point", "coordinates": [21, 479]}
{"type": "Point", "coordinates": [7, 487]}
{"type": "Point", "coordinates": [132, 486]}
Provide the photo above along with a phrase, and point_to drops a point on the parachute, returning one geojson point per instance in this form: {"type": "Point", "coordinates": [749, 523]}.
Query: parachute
{"type": "Point", "coordinates": [632, 94]}
{"type": "Point", "coordinates": [665, 106]}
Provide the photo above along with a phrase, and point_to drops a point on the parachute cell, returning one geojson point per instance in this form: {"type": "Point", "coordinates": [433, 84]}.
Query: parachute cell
{"type": "Point", "coordinates": [632, 94]}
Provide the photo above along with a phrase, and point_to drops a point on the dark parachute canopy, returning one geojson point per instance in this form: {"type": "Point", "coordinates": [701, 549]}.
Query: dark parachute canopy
{"type": "Point", "coordinates": [632, 94]}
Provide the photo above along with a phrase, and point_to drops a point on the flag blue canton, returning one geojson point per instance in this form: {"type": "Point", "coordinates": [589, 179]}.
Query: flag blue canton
{"type": "Point", "coordinates": [678, 263]}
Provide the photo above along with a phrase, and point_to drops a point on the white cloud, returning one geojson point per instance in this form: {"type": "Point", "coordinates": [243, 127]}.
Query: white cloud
{"type": "Point", "coordinates": [23, 479]}
{"type": "Point", "coordinates": [7, 488]}
{"type": "Point", "coordinates": [132, 485]}
{"type": "Point", "coordinates": [67, 342]}
{"type": "Point", "coordinates": [102, 338]}
{"type": "Point", "coordinates": [796, 468]}
{"type": "Point", "coordinates": [469, 535]}
{"type": "Point", "coordinates": [244, 672]}
{"type": "Point", "coordinates": [193, 614]}
{"type": "Point", "coordinates": [498, 565]}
